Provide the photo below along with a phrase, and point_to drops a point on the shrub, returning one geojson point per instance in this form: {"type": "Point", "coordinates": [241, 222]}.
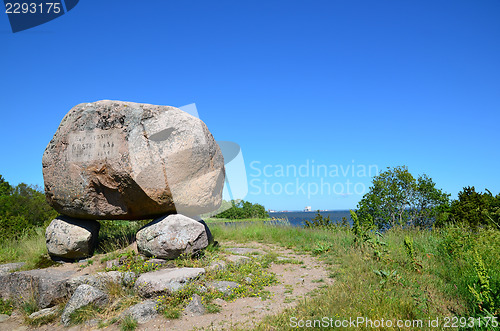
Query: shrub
{"type": "Point", "coordinates": [474, 209]}
{"type": "Point", "coordinates": [22, 208]}
{"type": "Point", "coordinates": [243, 209]}
{"type": "Point", "coordinates": [319, 221]}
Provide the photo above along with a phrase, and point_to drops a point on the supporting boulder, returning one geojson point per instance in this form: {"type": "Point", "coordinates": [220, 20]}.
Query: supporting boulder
{"type": "Point", "coordinates": [70, 238]}
{"type": "Point", "coordinates": [168, 237]}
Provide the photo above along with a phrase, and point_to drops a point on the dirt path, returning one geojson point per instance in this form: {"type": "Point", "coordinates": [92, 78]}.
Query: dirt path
{"type": "Point", "coordinates": [295, 280]}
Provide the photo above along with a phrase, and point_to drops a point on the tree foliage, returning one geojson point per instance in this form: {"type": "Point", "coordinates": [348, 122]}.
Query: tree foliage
{"type": "Point", "coordinates": [475, 209]}
{"type": "Point", "coordinates": [397, 198]}
{"type": "Point", "coordinates": [243, 209]}
{"type": "Point", "coordinates": [5, 188]}
{"type": "Point", "coordinates": [21, 208]}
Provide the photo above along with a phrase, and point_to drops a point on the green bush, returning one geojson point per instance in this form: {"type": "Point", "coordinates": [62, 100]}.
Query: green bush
{"type": "Point", "coordinates": [470, 259]}
{"type": "Point", "coordinates": [15, 226]}
{"type": "Point", "coordinates": [243, 209]}
{"type": "Point", "coordinates": [320, 221]}
{"type": "Point", "coordinates": [474, 209]}
{"type": "Point", "coordinates": [22, 208]}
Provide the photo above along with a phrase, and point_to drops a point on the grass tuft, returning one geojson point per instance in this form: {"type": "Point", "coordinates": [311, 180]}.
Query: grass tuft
{"type": "Point", "coordinates": [128, 323]}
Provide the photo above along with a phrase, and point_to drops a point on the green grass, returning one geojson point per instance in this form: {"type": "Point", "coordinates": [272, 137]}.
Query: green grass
{"type": "Point", "coordinates": [438, 276]}
{"type": "Point", "coordinates": [213, 220]}
{"type": "Point", "coordinates": [133, 262]}
{"type": "Point", "coordinates": [29, 248]}
{"type": "Point", "coordinates": [115, 235]}
{"type": "Point", "coordinates": [29, 305]}
{"type": "Point", "coordinates": [39, 321]}
{"type": "Point", "coordinates": [128, 323]}
{"type": "Point", "coordinates": [84, 314]}
{"type": "Point", "coordinates": [378, 279]}
{"type": "Point", "coordinates": [6, 306]}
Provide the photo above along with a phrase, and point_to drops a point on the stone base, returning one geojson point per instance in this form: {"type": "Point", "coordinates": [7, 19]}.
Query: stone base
{"type": "Point", "coordinates": [71, 239]}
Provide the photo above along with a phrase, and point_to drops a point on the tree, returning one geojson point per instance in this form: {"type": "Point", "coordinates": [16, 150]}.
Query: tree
{"type": "Point", "coordinates": [5, 188]}
{"type": "Point", "coordinates": [243, 209]}
{"type": "Point", "coordinates": [397, 198]}
{"type": "Point", "coordinates": [24, 202]}
{"type": "Point", "coordinates": [475, 209]}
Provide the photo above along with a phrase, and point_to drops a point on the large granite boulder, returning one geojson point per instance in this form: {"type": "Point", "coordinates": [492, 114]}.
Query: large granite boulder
{"type": "Point", "coordinates": [46, 286]}
{"type": "Point", "coordinates": [69, 238]}
{"type": "Point", "coordinates": [125, 160]}
{"type": "Point", "coordinates": [170, 236]}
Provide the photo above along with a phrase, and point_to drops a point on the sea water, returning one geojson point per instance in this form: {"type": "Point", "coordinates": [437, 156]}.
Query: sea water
{"type": "Point", "coordinates": [297, 218]}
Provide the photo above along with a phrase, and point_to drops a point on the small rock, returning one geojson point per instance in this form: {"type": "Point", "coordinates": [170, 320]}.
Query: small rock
{"type": "Point", "coordinates": [157, 262]}
{"type": "Point", "coordinates": [112, 263]}
{"type": "Point", "coordinates": [165, 280]}
{"type": "Point", "coordinates": [4, 317]}
{"type": "Point", "coordinates": [241, 250]}
{"type": "Point", "coordinates": [92, 323]}
{"type": "Point", "coordinates": [128, 278]}
{"type": "Point", "coordinates": [102, 280]}
{"type": "Point", "coordinates": [282, 258]}
{"type": "Point", "coordinates": [9, 267]}
{"type": "Point", "coordinates": [83, 296]}
{"type": "Point", "coordinates": [47, 312]}
{"type": "Point", "coordinates": [71, 238]}
{"type": "Point", "coordinates": [168, 237]}
{"type": "Point", "coordinates": [223, 286]}
{"type": "Point", "coordinates": [16, 313]}
{"type": "Point", "coordinates": [217, 265]}
{"type": "Point", "coordinates": [238, 259]}
{"type": "Point", "coordinates": [142, 312]}
{"type": "Point", "coordinates": [195, 307]}
{"type": "Point", "coordinates": [248, 280]}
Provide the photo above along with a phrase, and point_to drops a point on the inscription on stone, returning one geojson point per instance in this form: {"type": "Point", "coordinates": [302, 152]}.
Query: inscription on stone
{"type": "Point", "coordinates": [93, 145]}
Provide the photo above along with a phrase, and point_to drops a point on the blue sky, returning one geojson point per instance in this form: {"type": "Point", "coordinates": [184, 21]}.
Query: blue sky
{"type": "Point", "coordinates": [334, 83]}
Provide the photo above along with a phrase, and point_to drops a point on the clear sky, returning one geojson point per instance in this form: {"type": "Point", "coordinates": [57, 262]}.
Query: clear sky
{"type": "Point", "coordinates": [332, 83]}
